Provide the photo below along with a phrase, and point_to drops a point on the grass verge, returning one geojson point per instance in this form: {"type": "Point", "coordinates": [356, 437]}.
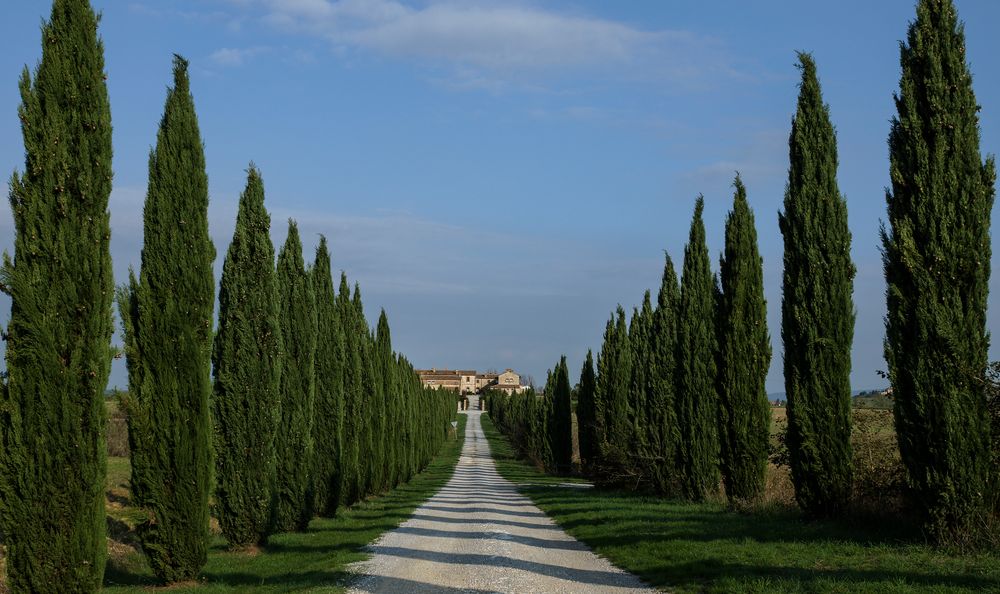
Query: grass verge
{"type": "Point", "coordinates": [686, 547]}
{"type": "Point", "coordinates": [292, 562]}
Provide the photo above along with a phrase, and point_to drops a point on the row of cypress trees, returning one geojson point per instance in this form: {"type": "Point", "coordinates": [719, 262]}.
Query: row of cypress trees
{"type": "Point", "coordinates": [292, 407]}
{"type": "Point", "coordinates": [312, 410]}
{"type": "Point", "coordinates": [667, 407]}
{"type": "Point", "coordinates": [678, 398]}
{"type": "Point", "coordinates": [539, 426]}
{"type": "Point", "coordinates": [290, 360]}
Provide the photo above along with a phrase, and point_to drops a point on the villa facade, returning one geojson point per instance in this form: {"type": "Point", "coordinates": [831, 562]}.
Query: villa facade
{"type": "Point", "coordinates": [468, 381]}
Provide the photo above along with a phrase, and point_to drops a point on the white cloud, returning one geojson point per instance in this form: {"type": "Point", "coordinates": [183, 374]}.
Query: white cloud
{"type": "Point", "coordinates": [486, 44]}
{"type": "Point", "coordinates": [498, 37]}
{"type": "Point", "coordinates": [228, 56]}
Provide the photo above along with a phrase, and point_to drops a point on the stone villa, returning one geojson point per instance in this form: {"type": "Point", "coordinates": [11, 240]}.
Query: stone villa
{"type": "Point", "coordinates": [468, 381]}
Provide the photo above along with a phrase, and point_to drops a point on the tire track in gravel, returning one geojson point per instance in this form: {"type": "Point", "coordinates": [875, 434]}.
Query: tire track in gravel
{"type": "Point", "coordinates": [478, 534]}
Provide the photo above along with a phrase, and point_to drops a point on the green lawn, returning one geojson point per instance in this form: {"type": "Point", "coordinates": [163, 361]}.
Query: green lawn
{"type": "Point", "coordinates": [684, 547]}
{"type": "Point", "coordinates": [312, 561]}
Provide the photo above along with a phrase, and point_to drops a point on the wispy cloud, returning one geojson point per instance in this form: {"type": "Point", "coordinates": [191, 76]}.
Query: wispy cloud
{"type": "Point", "coordinates": [228, 56]}
{"type": "Point", "coordinates": [164, 10]}
{"type": "Point", "coordinates": [487, 45]}
{"type": "Point", "coordinates": [763, 154]}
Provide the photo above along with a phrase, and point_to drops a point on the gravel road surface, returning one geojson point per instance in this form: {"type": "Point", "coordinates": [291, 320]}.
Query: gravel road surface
{"type": "Point", "coordinates": [478, 534]}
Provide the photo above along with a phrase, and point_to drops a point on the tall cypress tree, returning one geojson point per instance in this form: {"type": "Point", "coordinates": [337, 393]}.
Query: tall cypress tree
{"type": "Point", "coordinates": [247, 364]}
{"type": "Point", "coordinates": [561, 427]}
{"type": "Point", "coordinates": [167, 314]}
{"type": "Point", "coordinates": [329, 381]}
{"type": "Point", "coordinates": [817, 311]}
{"type": "Point", "coordinates": [937, 267]}
{"type": "Point", "coordinates": [52, 444]}
{"type": "Point", "coordinates": [586, 415]}
{"type": "Point", "coordinates": [539, 416]}
{"type": "Point", "coordinates": [696, 369]}
{"type": "Point", "coordinates": [744, 357]}
{"type": "Point", "coordinates": [619, 430]}
{"type": "Point", "coordinates": [388, 430]}
{"type": "Point", "coordinates": [614, 377]}
{"type": "Point", "coordinates": [640, 330]}
{"type": "Point", "coordinates": [294, 494]}
{"type": "Point", "coordinates": [661, 399]}
{"type": "Point", "coordinates": [371, 451]}
{"type": "Point", "coordinates": [350, 487]}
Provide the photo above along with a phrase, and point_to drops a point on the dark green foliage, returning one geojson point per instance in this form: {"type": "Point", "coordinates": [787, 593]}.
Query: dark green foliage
{"type": "Point", "coordinates": [391, 426]}
{"type": "Point", "coordinates": [817, 311]}
{"type": "Point", "coordinates": [294, 494]}
{"type": "Point", "coordinates": [614, 382]}
{"type": "Point", "coordinates": [537, 417]}
{"type": "Point", "coordinates": [586, 416]}
{"type": "Point", "coordinates": [167, 315]}
{"type": "Point", "coordinates": [522, 417]}
{"type": "Point", "coordinates": [744, 357]}
{"type": "Point", "coordinates": [329, 381]}
{"type": "Point", "coordinates": [52, 417]}
{"type": "Point", "coordinates": [937, 267]}
{"type": "Point", "coordinates": [378, 421]}
{"type": "Point", "coordinates": [696, 396]}
{"type": "Point", "coordinates": [561, 424]}
{"type": "Point", "coordinates": [664, 431]}
{"type": "Point", "coordinates": [390, 419]}
{"type": "Point", "coordinates": [640, 336]}
{"type": "Point", "coordinates": [370, 447]}
{"type": "Point", "coordinates": [247, 364]}
{"type": "Point", "coordinates": [351, 488]}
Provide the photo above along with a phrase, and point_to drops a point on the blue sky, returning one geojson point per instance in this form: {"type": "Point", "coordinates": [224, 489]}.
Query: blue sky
{"type": "Point", "coordinates": [498, 176]}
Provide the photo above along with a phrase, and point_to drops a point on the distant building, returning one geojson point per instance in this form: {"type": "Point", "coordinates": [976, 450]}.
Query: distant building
{"type": "Point", "coordinates": [466, 381]}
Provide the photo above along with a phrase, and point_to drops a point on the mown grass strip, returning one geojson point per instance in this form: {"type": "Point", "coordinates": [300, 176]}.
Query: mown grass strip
{"type": "Point", "coordinates": [685, 547]}
{"type": "Point", "coordinates": [314, 560]}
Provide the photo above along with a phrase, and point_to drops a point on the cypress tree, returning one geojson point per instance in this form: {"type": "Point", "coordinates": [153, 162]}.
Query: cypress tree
{"type": "Point", "coordinates": [371, 451]}
{"type": "Point", "coordinates": [696, 369]}
{"type": "Point", "coordinates": [661, 400]}
{"type": "Point", "coordinates": [167, 314]}
{"type": "Point", "coordinates": [329, 386]}
{"type": "Point", "coordinates": [389, 430]}
{"type": "Point", "coordinates": [52, 442]}
{"type": "Point", "coordinates": [937, 267]}
{"type": "Point", "coordinates": [601, 388]}
{"type": "Point", "coordinates": [537, 422]}
{"type": "Point", "coordinates": [380, 404]}
{"type": "Point", "coordinates": [744, 357]}
{"type": "Point", "coordinates": [586, 415]}
{"type": "Point", "coordinates": [817, 311]}
{"type": "Point", "coordinates": [294, 494]}
{"type": "Point", "coordinates": [561, 427]}
{"type": "Point", "coordinates": [619, 430]}
{"type": "Point", "coordinates": [408, 413]}
{"type": "Point", "coordinates": [247, 364]}
{"type": "Point", "coordinates": [350, 488]}
{"type": "Point", "coordinates": [614, 377]}
{"type": "Point", "coordinates": [640, 330]}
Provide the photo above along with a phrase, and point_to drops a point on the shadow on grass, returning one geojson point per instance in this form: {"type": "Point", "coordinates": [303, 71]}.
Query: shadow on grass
{"type": "Point", "coordinates": [286, 582]}
{"type": "Point", "coordinates": [723, 573]}
{"type": "Point", "coordinates": [297, 561]}
{"type": "Point", "coordinates": [705, 547]}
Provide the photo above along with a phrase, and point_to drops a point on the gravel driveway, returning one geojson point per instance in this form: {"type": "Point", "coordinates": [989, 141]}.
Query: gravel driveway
{"type": "Point", "coordinates": [478, 534]}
